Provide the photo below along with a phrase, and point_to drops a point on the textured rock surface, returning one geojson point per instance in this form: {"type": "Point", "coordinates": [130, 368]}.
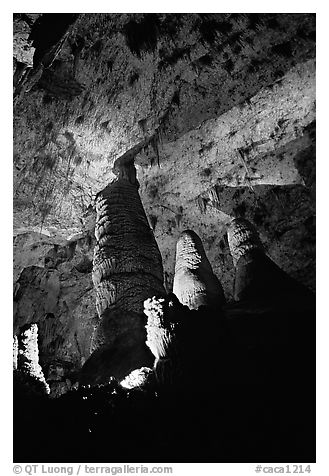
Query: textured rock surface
{"type": "Point", "coordinates": [28, 371]}
{"type": "Point", "coordinates": [162, 84]}
{"type": "Point", "coordinates": [219, 110]}
{"type": "Point", "coordinates": [257, 277]}
{"type": "Point", "coordinates": [23, 50]}
{"type": "Point", "coordinates": [55, 290]}
{"type": "Point", "coordinates": [242, 238]}
{"type": "Point", "coordinates": [163, 315]}
{"type": "Point", "coordinates": [204, 181]}
{"type": "Point", "coordinates": [127, 269]}
{"type": "Point", "coordinates": [138, 378]}
{"type": "Point", "coordinates": [195, 284]}
{"type": "Point", "coordinates": [15, 352]}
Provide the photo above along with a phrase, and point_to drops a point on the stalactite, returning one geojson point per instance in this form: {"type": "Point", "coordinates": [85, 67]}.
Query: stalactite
{"type": "Point", "coordinates": [201, 203]}
{"type": "Point", "coordinates": [143, 126]}
{"type": "Point", "coordinates": [213, 195]}
{"type": "Point", "coordinates": [194, 282]}
{"type": "Point", "coordinates": [153, 221]}
{"type": "Point", "coordinates": [155, 146]}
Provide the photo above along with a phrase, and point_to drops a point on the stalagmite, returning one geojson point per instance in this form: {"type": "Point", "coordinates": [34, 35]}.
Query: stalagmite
{"type": "Point", "coordinates": [164, 315]}
{"type": "Point", "coordinates": [15, 352]}
{"type": "Point", "coordinates": [127, 269]}
{"type": "Point", "coordinates": [28, 367]}
{"type": "Point", "coordinates": [195, 283]}
{"type": "Point", "coordinates": [187, 344]}
{"type": "Point", "coordinates": [257, 277]}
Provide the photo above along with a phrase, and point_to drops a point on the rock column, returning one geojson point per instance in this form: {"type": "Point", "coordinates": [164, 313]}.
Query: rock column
{"type": "Point", "coordinates": [127, 269]}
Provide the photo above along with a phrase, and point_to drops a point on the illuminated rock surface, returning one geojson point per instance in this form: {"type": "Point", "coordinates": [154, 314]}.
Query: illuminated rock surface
{"type": "Point", "coordinates": [217, 111]}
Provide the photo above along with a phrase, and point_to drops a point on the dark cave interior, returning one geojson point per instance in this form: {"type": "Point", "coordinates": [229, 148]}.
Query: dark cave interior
{"type": "Point", "coordinates": [164, 237]}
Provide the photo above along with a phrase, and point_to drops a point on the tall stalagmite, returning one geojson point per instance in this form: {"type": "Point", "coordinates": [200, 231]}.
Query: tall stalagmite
{"type": "Point", "coordinates": [195, 283]}
{"type": "Point", "coordinates": [257, 277]}
{"type": "Point", "coordinates": [127, 269]}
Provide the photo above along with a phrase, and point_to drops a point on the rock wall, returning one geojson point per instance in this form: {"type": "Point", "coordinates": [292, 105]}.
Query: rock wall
{"type": "Point", "coordinates": [58, 295]}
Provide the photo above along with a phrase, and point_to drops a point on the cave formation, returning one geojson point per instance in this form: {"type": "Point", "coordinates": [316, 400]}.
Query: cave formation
{"type": "Point", "coordinates": [164, 237]}
{"type": "Point", "coordinates": [195, 284]}
{"type": "Point", "coordinates": [127, 269]}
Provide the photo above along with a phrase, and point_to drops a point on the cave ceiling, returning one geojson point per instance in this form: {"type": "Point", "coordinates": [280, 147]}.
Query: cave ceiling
{"type": "Point", "coordinates": [217, 109]}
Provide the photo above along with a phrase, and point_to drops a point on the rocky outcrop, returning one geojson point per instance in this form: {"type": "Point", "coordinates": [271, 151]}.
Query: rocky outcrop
{"type": "Point", "coordinates": [257, 277]}
{"type": "Point", "coordinates": [28, 373]}
{"type": "Point", "coordinates": [195, 284]}
{"type": "Point", "coordinates": [127, 269]}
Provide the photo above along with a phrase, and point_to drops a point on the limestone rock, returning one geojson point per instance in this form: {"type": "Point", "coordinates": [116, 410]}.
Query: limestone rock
{"type": "Point", "coordinates": [253, 141]}
{"type": "Point", "coordinates": [257, 277]}
{"type": "Point", "coordinates": [15, 352]}
{"type": "Point", "coordinates": [242, 238]}
{"type": "Point", "coordinates": [127, 268]}
{"type": "Point", "coordinates": [171, 91]}
{"type": "Point", "coordinates": [247, 150]}
{"type": "Point", "coordinates": [217, 112]}
{"type": "Point", "coordinates": [54, 289]}
{"type": "Point", "coordinates": [163, 320]}
{"type": "Point", "coordinates": [194, 282]}
{"type": "Point", "coordinates": [28, 368]}
{"type": "Point", "coordinates": [23, 50]}
{"type": "Point", "coordinates": [137, 378]}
